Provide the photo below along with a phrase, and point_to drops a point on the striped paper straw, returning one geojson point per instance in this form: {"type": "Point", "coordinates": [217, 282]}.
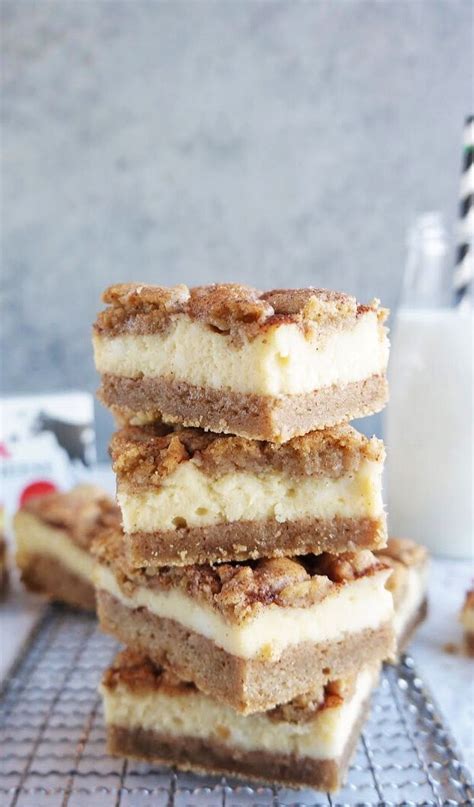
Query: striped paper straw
{"type": "Point", "coordinates": [463, 272]}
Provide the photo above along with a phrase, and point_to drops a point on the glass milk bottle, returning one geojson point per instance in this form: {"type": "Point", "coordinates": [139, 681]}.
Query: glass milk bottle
{"type": "Point", "coordinates": [428, 425]}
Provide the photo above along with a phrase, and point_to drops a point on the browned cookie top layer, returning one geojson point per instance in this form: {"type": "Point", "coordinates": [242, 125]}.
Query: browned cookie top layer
{"type": "Point", "coordinates": [228, 308]}
{"type": "Point", "coordinates": [238, 590]}
{"type": "Point", "coordinates": [144, 455]}
{"type": "Point", "coordinates": [82, 512]}
{"type": "Point", "coordinates": [404, 551]}
{"type": "Point", "coordinates": [401, 554]}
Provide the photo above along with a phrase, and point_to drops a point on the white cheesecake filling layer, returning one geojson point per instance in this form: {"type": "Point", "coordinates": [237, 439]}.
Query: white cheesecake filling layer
{"type": "Point", "coordinates": [280, 361]}
{"type": "Point", "coordinates": [415, 593]}
{"type": "Point", "coordinates": [198, 716]}
{"type": "Point", "coordinates": [360, 604]}
{"type": "Point", "coordinates": [189, 497]}
{"type": "Point", "coordinates": [34, 537]}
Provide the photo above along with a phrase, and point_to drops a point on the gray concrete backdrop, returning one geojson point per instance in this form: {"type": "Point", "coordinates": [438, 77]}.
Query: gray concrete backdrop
{"type": "Point", "coordinates": [276, 143]}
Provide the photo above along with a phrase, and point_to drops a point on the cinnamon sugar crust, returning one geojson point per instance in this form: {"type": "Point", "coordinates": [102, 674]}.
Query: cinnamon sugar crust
{"type": "Point", "coordinates": [213, 757]}
{"type": "Point", "coordinates": [240, 590]}
{"type": "Point", "coordinates": [144, 455]}
{"type": "Point", "coordinates": [229, 308]}
{"type": "Point", "coordinates": [81, 512]}
{"type": "Point", "coordinates": [258, 417]}
{"type": "Point", "coordinates": [250, 540]}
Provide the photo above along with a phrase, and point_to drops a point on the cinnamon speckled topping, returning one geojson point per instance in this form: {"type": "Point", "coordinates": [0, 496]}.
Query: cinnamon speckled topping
{"type": "Point", "coordinates": [81, 512]}
{"type": "Point", "coordinates": [228, 308]}
{"type": "Point", "coordinates": [144, 455]}
{"type": "Point", "coordinates": [304, 707]}
{"type": "Point", "coordinates": [404, 551]}
{"type": "Point", "coordinates": [240, 590]}
{"type": "Point", "coordinates": [140, 676]}
{"type": "Point", "coordinates": [400, 555]}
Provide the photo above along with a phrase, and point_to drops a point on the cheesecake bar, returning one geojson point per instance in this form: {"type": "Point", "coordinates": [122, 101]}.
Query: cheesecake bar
{"type": "Point", "coordinates": [253, 634]}
{"type": "Point", "coordinates": [408, 586]}
{"type": "Point", "coordinates": [228, 358]}
{"type": "Point", "coordinates": [151, 715]}
{"type": "Point", "coordinates": [53, 537]}
{"type": "Point", "coordinates": [467, 621]}
{"type": "Point", "coordinates": [189, 496]}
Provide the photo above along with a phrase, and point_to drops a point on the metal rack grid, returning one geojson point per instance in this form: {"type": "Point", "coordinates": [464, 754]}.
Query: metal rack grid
{"type": "Point", "coordinates": [52, 738]}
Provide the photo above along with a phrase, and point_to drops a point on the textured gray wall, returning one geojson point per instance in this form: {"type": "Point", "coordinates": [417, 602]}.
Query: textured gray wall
{"type": "Point", "coordinates": [269, 142]}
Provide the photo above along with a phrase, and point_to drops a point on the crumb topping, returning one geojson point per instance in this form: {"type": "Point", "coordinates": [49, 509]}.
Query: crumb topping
{"type": "Point", "coordinates": [303, 708]}
{"type": "Point", "coordinates": [81, 512]}
{"type": "Point", "coordinates": [240, 590]}
{"type": "Point", "coordinates": [140, 675]}
{"type": "Point", "coordinates": [405, 551]}
{"type": "Point", "coordinates": [144, 455]}
{"type": "Point", "coordinates": [235, 310]}
{"type": "Point", "coordinates": [400, 555]}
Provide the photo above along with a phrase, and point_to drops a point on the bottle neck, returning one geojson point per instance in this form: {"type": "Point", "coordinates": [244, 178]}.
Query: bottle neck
{"type": "Point", "coordinates": [425, 280]}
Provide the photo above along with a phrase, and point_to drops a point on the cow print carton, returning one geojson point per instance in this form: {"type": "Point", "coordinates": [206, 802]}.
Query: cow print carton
{"type": "Point", "coordinates": [47, 442]}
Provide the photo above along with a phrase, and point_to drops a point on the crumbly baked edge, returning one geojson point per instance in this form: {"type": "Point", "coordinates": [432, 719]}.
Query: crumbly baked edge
{"type": "Point", "coordinates": [247, 685]}
{"type": "Point", "coordinates": [257, 417]}
{"type": "Point", "coordinates": [46, 575]}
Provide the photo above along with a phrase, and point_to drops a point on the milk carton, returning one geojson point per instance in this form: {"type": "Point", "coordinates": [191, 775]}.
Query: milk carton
{"type": "Point", "coordinates": [47, 443]}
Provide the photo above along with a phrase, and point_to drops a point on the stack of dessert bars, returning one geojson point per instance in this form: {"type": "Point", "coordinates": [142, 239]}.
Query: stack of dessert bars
{"type": "Point", "coordinates": [243, 582]}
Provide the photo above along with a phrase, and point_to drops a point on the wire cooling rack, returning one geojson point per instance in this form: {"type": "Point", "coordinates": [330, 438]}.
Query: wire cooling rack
{"type": "Point", "coordinates": [52, 740]}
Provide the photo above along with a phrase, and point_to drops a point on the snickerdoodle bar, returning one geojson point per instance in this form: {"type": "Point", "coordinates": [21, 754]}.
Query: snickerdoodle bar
{"type": "Point", "coordinates": [152, 715]}
{"type": "Point", "coordinates": [253, 634]}
{"type": "Point", "coordinates": [189, 496]}
{"type": "Point", "coordinates": [53, 537]}
{"type": "Point", "coordinates": [229, 358]}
